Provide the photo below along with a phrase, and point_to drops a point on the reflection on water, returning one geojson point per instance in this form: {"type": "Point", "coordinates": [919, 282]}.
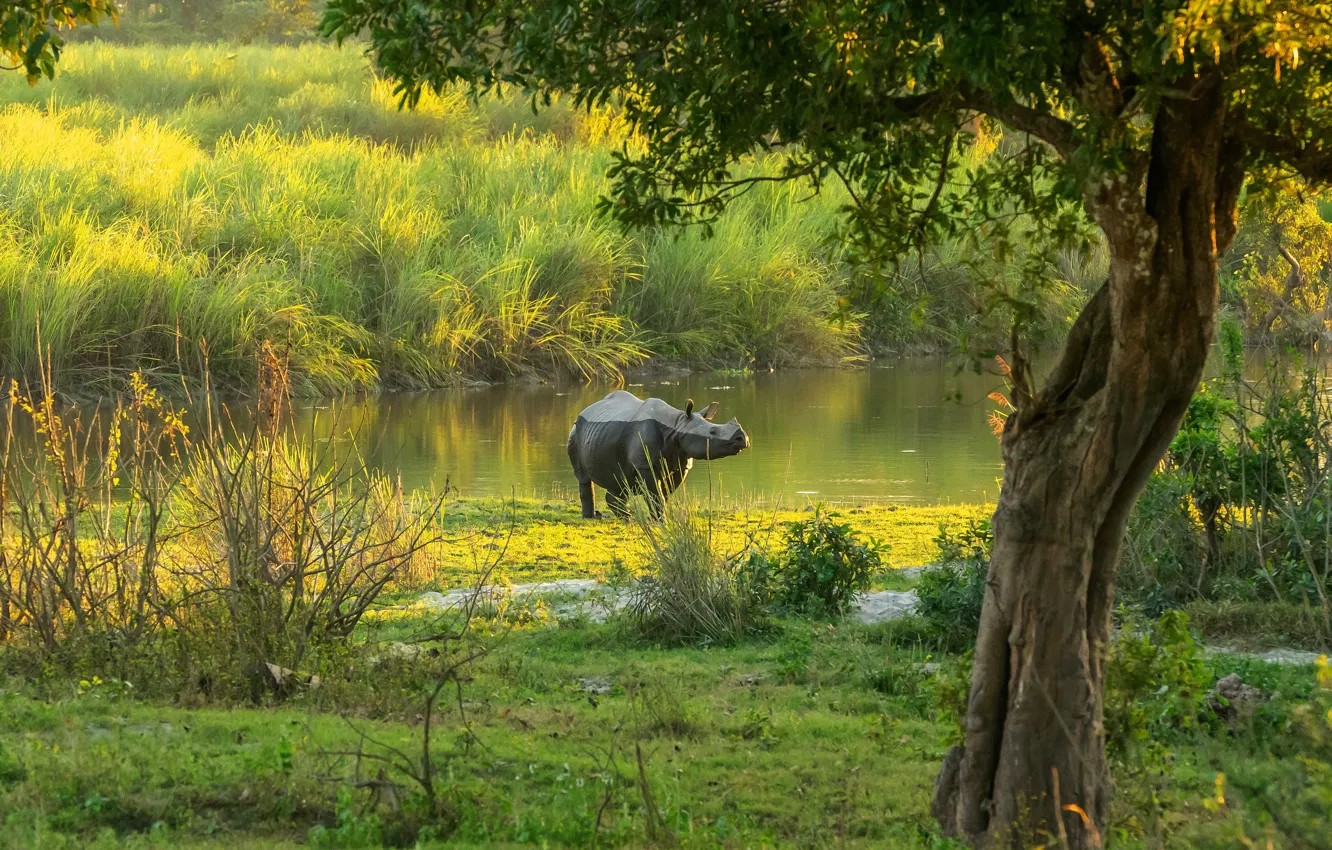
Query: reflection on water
{"type": "Point", "coordinates": [893, 432]}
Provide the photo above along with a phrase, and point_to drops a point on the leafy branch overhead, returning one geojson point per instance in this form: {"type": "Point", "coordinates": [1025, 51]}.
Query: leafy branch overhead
{"type": "Point", "coordinates": [880, 96]}
{"type": "Point", "coordinates": [30, 31]}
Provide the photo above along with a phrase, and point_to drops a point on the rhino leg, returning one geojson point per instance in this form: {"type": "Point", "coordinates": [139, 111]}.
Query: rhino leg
{"type": "Point", "coordinates": [618, 503]}
{"type": "Point", "coordinates": [651, 486]}
{"type": "Point", "coordinates": [587, 495]}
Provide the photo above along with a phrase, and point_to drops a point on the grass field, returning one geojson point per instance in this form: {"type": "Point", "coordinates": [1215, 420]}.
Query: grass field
{"type": "Point", "coordinates": [811, 736]}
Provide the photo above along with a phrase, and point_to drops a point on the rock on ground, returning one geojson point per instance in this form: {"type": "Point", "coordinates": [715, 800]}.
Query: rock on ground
{"type": "Point", "coordinates": [590, 598]}
{"type": "Point", "coordinates": [1294, 657]}
{"type": "Point", "coordinates": [597, 601]}
{"type": "Point", "coordinates": [883, 605]}
{"type": "Point", "coordinates": [1234, 700]}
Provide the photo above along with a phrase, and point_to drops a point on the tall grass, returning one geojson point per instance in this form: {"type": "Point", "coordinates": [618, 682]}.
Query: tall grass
{"type": "Point", "coordinates": [156, 199]}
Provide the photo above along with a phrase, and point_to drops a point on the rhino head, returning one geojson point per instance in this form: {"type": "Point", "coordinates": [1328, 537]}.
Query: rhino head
{"type": "Point", "coordinates": [700, 439]}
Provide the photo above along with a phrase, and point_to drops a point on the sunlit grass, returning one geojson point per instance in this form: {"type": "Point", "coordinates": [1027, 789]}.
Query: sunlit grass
{"type": "Point", "coordinates": [159, 199]}
{"type": "Point", "coordinates": [543, 541]}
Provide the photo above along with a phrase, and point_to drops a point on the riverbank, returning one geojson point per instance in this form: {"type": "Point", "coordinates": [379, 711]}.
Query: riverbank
{"type": "Point", "coordinates": [160, 200]}
{"type": "Point", "coordinates": [259, 670]}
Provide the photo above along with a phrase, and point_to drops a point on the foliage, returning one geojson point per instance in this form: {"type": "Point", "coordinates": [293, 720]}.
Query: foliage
{"type": "Point", "coordinates": [277, 193]}
{"type": "Point", "coordinates": [1277, 274]}
{"type": "Point", "coordinates": [194, 21]}
{"type": "Point", "coordinates": [1254, 623]}
{"type": "Point", "coordinates": [951, 592]}
{"type": "Point", "coordinates": [1156, 685]}
{"type": "Point", "coordinates": [692, 594]}
{"type": "Point", "coordinates": [951, 690]}
{"type": "Point", "coordinates": [30, 31]}
{"type": "Point", "coordinates": [794, 654]}
{"type": "Point", "coordinates": [896, 90]}
{"type": "Point", "coordinates": [90, 767]}
{"type": "Point", "coordinates": [1238, 511]}
{"type": "Point", "coordinates": [544, 545]}
{"type": "Point", "coordinates": [1148, 117]}
{"type": "Point", "coordinates": [222, 559]}
{"type": "Point", "coordinates": [824, 564]}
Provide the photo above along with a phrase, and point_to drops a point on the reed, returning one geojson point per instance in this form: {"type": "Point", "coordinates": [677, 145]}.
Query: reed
{"type": "Point", "coordinates": [156, 200]}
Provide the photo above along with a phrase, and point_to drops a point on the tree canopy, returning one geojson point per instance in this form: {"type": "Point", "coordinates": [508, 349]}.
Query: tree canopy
{"type": "Point", "coordinates": [30, 31]}
{"type": "Point", "coordinates": [876, 93]}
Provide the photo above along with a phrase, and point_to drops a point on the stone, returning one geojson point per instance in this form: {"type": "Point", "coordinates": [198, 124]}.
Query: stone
{"type": "Point", "coordinates": [597, 685]}
{"type": "Point", "coordinates": [1233, 700]}
{"type": "Point", "coordinates": [597, 602]}
{"type": "Point", "coordinates": [1294, 657]}
{"type": "Point", "coordinates": [284, 679]}
{"type": "Point", "coordinates": [883, 605]}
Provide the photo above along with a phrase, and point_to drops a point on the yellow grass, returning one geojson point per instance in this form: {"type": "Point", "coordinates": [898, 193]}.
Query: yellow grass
{"type": "Point", "coordinates": [540, 542]}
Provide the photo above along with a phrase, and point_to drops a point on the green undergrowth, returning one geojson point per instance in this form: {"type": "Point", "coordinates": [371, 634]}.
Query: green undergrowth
{"type": "Point", "coordinates": [811, 735]}
{"type": "Point", "coordinates": [739, 749]}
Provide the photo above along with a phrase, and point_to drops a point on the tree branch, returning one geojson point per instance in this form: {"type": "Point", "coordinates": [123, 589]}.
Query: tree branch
{"type": "Point", "coordinates": [1231, 171]}
{"type": "Point", "coordinates": [1056, 132]}
{"type": "Point", "coordinates": [1315, 166]}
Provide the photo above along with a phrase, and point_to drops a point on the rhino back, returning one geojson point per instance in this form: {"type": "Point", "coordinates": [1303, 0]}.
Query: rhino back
{"type": "Point", "coordinates": [622, 406]}
{"type": "Point", "coordinates": [610, 434]}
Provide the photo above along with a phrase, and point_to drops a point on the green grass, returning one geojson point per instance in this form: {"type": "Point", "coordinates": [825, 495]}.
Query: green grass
{"type": "Point", "coordinates": [1260, 625]}
{"type": "Point", "coordinates": [156, 199]}
{"type": "Point", "coordinates": [159, 199]}
{"type": "Point", "coordinates": [735, 755]}
{"type": "Point", "coordinates": [812, 736]}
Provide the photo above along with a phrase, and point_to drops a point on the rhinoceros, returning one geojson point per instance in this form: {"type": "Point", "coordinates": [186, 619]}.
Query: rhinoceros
{"type": "Point", "coordinates": [625, 444]}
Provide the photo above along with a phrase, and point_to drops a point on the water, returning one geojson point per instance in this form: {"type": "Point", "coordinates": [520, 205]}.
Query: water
{"type": "Point", "coordinates": [909, 432]}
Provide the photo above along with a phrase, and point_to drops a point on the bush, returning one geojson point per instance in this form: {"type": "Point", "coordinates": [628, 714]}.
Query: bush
{"type": "Point", "coordinates": [1155, 684]}
{"type": "Point", "coordinates": [218, 560]}
{"type": "Point", "coordinates": [951, 592]}
{"type": "Point", "coordinates": [1238, 510]}
{"type": "Point", "coordinates": [692, 594]}
{"type": "Point", "coordinates": [794, 654]}
{"type": "Point", "coordinates": [824, 566]}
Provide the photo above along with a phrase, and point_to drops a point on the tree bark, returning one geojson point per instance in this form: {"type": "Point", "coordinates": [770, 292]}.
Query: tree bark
{"type": "Point", "coordinates": [1075, 458]}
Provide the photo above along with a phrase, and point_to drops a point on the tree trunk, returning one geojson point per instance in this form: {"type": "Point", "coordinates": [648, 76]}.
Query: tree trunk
{"type": "Point", "coordinates": [1075, 458]}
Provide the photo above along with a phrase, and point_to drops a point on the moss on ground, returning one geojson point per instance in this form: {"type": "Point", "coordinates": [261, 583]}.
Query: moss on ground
{"type": "Point", "coordinates": [546, 540]}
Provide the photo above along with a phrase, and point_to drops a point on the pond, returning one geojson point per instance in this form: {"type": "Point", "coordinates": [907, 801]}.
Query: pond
{"type": "Point", "coordinates": [907, 431]}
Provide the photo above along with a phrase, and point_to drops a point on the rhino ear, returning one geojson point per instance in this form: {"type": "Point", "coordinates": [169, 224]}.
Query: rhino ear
{"type": "Point", "coordinates": [689, 408]}
{"type": "Point", "coordinates": [710, 411]}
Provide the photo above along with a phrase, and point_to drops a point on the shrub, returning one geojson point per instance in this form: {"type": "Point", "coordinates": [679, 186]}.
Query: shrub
{"type": "Point", "coordinates": [952, 591]}
{"type": "Point", "coordinates": [824, 565]}
{"type": "Point", "coordinates": [1155, 683]}
{"type": "Point", "coordinates": [1237, 511]}
{"type": "Point", "coordinates": [794, 654]}
{"type": "Point", "coordinates": [693, 593]}
{"type": "Point", "coordinates": [221, 559]}
{"type": "Point", "coordinates": [950, 688]}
